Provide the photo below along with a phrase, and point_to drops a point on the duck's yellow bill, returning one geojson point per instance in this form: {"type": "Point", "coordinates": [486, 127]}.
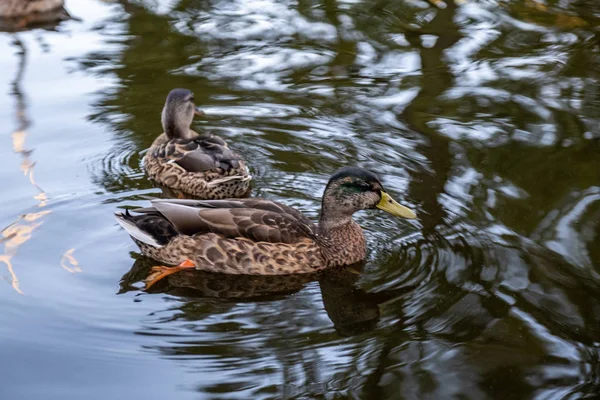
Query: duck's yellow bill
{"type": "Point", "coordinates": [391, 206]}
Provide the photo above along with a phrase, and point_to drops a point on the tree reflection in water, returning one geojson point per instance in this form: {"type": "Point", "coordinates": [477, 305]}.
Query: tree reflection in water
{"type": "Point", "coordinates": [20, 231]}
{"type": "Point", "coordinates": [483, 113]}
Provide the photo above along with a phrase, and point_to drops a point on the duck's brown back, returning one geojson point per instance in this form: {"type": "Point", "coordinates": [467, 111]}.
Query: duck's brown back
{"type": "Point", "coordinates": [202, 166]}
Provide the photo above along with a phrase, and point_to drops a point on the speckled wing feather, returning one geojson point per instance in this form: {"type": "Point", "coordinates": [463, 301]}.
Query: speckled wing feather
{"type": "Point", "coordinates": [270, 223]}
{"type": "Point", "coordinates": [202, 153]}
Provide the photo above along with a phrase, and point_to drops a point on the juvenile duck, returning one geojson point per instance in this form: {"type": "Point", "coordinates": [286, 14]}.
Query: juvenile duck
{"type": "Point", "coordinates": [200, 165]}
{"type": "Point", "coordinates": [259, 236]}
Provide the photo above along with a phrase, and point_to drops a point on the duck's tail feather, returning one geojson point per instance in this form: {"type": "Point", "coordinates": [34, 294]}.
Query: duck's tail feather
{"type": "Point", "coordinates": [127, 221]}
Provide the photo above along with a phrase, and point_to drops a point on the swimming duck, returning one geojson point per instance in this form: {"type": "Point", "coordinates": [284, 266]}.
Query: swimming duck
{"type": "Point", "coordinates": [21, 15]}
{"type": "Point", "coordinates": [258, 236]}
{"type": "Point", "coordinates": [20, 8]}
{"type": "Point", "coordinates": [200, 165]}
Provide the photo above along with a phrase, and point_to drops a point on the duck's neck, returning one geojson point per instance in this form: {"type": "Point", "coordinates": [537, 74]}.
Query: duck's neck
{"type": "Point", "coordinates": [343, 239]}
{"type": "Point", "coordinates": [176, 124]}
{"type": "Point", "coordinates": [176, 130]}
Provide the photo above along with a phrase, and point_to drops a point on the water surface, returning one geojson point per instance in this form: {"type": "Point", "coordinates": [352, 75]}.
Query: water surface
{"type": "Point", "coordinates": [482, 115]}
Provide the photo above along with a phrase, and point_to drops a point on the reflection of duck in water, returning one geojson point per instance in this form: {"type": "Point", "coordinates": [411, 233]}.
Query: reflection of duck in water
{"type": "Point", "coordinates": [224, 286]}
{"type": "Point", "coordinates": [19, 15]}
{"type": "Point", "coordinates": [200, 165]}
{"type": "Point", "coordinates": [258, 236]}
{"type": "Point", "coordinates": [351, 309]}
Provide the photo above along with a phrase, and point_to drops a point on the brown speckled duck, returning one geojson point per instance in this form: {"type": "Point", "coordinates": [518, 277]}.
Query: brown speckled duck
{"type": "Point", "coordinates": [199, 165]}
{"type": "Point", "coordinates": [21, 8]}
{"type": "Point", "coordinates": [259, 236]}
{"type": "Point", "coordinates": [21, 15]}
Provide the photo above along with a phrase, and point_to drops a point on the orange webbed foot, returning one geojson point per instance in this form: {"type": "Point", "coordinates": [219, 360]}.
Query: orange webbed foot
{"type": "Point", "coordinates": [160, 271]}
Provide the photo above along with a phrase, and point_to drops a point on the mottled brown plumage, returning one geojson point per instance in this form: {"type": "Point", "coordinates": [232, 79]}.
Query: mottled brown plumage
{"type": "Point", "coordinates": [21, 8]}
{"type": "Point", "coordinates": [22, 15]}
{"type": "Point", "coordinates": [258, 236]}
{"type": "Point", "coordinates": [199, 165]}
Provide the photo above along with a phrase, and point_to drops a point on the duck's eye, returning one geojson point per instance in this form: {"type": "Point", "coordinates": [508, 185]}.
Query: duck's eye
{"type": "Point", "coordinates": [191, 99]}
{"type": "Point", "coordinates": [356, 187]}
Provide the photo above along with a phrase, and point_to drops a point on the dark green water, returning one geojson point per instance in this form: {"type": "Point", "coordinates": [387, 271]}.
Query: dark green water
{"type": "Point", "coordinates": [483, 116]}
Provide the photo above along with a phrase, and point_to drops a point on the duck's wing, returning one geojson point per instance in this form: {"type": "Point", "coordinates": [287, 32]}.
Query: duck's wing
{"type": "Point", "coordinates": [252, 203]}
{"type": "Point", "coordinates": [260, 221]}
{"type": "Point", "coordinates": [199, 154]}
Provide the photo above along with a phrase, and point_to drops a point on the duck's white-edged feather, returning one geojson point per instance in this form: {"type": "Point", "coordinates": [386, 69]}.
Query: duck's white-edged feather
{"type": "Point", "coordinates": [136, 232]}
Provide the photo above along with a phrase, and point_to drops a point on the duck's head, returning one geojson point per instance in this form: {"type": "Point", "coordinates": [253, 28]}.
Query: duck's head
{"type": "Point", "coordinates": [178, 113]}
{"type": "Point", "coordinates": [352, 189]}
